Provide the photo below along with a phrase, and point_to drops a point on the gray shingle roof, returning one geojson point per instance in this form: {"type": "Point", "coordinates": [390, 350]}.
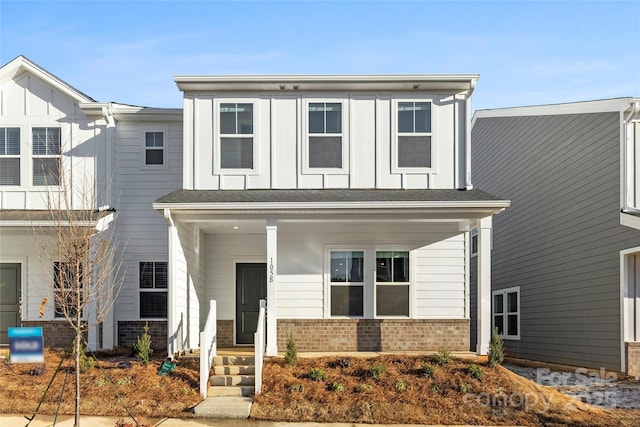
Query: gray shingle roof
{"type": "Point", "coordinates": [326, 195]}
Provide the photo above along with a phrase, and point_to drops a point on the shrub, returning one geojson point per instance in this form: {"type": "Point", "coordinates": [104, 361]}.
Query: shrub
{"type": "Point", "coordinates": [475, 371]}
{"type": "Point", "coordinates": [401, 386]}
{"type": "Point", "coordinates": [344, 363]}
{"type": "Point", "coordinates": [299, 388]}
{"type": "Point", "coordinates": [496, 349]}
{"type": "Point", "coordinates": [377, 370]}
{"type": "Point", "coordinates": [435, 387]}
{"type": "Point", "coordinates": [142, 347]}
{"type": "Point", "coordinates": [291, 355]}
{"type": "Point", "coordinates": [362, 388]}
{"type": "Point", "coordinates": [86, 362]}
{"type": "Point", "coordinates": [443, 357]}
{"type": "Point", "coordinates": [317, 374]}
{"type": "Point", "coordinates": [465, 388]}
{"type": "Point", "coordinates": [428, 370]}
{"type": "Point", "coordinates": [339, 387]}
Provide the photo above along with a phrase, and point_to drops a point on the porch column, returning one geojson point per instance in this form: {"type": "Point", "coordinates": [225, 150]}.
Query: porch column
{"type": "Point", "coordinates": [484, 285]}
{"type": "Point", "coordinates": [272, 287]}
{"type": "Point", "coordinates": [171, 293]}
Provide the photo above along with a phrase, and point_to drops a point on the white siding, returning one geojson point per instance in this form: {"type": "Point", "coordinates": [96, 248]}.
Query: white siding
{"type": "Point", "coordinates": [367, 131]}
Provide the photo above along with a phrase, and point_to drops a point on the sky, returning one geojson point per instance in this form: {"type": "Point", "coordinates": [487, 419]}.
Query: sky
{"type": "Point", "coordinates": [526, 53]}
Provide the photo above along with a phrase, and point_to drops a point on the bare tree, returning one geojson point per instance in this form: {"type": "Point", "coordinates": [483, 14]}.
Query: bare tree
{"type": "Point", "coordinates": [80, 239]}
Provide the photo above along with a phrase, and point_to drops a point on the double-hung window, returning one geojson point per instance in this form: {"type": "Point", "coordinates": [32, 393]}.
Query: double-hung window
{"type": "Point", "coordinates": [153, 290]}
{"type": "Point", "coordinates": [347, 283]}
{"type": "Point", "coordinates": [413, 148]}
{"type": "Point", "coordinates": [154, 148]}
{"type": "Point", "coordinates": [392, 283]}
{"type": "Point", "coordinates": [473, 237]}
{"type": "Point", "coordinates": [9, 156]}
{"type": "Point", "coordinates": [67, 281]}
{"type": "Point", "coordinates": [325, 149]}
{"type": "Point", "coordinates": [506, 312]}
{"type": "Point", "coordinates": [47, 148]}
{"type": "Point", "coordinates": [236, 136]}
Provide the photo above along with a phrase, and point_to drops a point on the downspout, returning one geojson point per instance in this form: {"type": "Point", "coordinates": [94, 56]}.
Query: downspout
{"type": "Point", "coordinates": [111, 125]}
{"type": "Point", "coordinates": [628, 159]}
{"type": "Point", "coordinates": [467, 142]}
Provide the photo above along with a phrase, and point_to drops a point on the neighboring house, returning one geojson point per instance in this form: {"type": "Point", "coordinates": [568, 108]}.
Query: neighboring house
{"type": "Point", "coordinates": [566, 257]}
{"type": "Point", "coordinates": [345, 201]}
{"type": "Point", "coordinates": [128, 155]}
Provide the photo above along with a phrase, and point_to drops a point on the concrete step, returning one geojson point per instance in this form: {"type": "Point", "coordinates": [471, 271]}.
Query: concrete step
{"type": "Point", "coordinates": [234, 370]}
{"type": "Point", "coordinates": [224, 407]}
{"type": "Point", "coordinates": [237, 391]}
{"type": "Point", "coordinates": [234, 360]}
{"type": "Point", "coordinates": [232, 380]}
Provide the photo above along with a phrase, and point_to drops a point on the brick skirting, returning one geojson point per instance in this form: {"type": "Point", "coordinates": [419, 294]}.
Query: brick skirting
{"type": "Point", "coordinates": [129, 330]}
{"type": "Point", "coordinates": [225, 333]}
{"type": "Point", "coordinates": [633, 358]}
{"type": "Point", "coordinates": [57, 334]}
{"type": "Point", "coordinates": [375, 334]}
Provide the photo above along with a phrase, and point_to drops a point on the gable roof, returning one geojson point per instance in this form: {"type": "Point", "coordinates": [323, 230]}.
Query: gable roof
{"type": "Point", "coordinates": [22, 64]}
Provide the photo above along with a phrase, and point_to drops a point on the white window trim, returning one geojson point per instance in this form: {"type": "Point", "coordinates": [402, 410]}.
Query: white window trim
{"type": "Point", "coordinates": [504, 292]}
{"type": "Point", "coordinates": [140, 290]}
{"type": "Point", "coordinates": [369, 284]}
{"type": "Point", "coordinates": [165, 148]}
{"type": "Point", "coordinates": [412, 269]}
{"type": "Point", "coordinates": [395, 134]}
{"type": "Point", "coordinates": [32, 157]}
{"type": "Point", "coordinates": [15, 156]}
{"type": "Point", "coordinates": [217, 169]}
{"type": "Point", "coordinates": [473, 234]}
{"type": "Point", "coordinates": [306, 170]}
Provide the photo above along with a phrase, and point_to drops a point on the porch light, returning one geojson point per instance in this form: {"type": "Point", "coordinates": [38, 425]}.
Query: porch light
{"type": "Point", "coordinates": [235, 227]}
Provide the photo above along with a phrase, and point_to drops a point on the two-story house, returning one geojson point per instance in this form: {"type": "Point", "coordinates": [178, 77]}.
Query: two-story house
{"type": "Point", "coordinates": [55, 143]}
{"type": "Point", "coordinates": [566, 258]}
{"type": "Point", "coordinates": [345, 201]}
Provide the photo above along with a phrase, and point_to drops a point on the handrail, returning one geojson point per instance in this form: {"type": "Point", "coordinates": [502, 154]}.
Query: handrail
{"type": "Point", "coordinates": [259, 346]}
{"type": "Point", "coordinates": [208, 347]}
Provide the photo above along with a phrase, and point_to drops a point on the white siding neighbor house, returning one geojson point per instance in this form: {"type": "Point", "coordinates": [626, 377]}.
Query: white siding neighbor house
{"type": "Point", "coordinates": [56, 140]}
{"type": "Point", "coordinates": [344, 201]}
{"type": "Point", "coordinates": [566, 257]}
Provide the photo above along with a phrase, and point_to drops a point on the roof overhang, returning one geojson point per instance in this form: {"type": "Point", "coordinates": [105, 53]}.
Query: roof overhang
{"type": "Point", "coordinates": [132, 113]}
{"type": "Point", "coordinates": [282, 83]}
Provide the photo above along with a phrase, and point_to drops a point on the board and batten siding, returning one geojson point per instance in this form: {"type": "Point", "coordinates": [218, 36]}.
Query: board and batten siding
{"type": "Point", "coordinates": [142, 231]}
{"type": "Point", "coordinates": [29, 102]}
{"type": "Point", "coordinates": [561, 238]}
{"type": "Point", "coordinates": [280, 137]}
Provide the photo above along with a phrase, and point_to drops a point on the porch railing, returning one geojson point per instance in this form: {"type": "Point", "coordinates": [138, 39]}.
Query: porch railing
{"type": "Point", "coordinates": [208, 347]}
{"type": "Point", "coordinates": [259, 343]}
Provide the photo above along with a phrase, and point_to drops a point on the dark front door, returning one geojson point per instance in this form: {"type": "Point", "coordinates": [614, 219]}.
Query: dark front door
{"type": "Point", "coordinates": [9, 299]}
{"type": "Point", "coordinates": [251, 287]}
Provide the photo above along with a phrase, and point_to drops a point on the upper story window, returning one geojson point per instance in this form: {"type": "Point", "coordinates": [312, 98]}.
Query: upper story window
{"type": "Point", "coordinates": [392, 283]}
{"type": "Point", "coordinates": [9, 156]}
{"type": "Point", "coordinates": [154, 149]}
{"type": "Point", "coordinates": [47, 148]}
{"type": "Point", "coordinates": [413, 148]}
{"type": "Point", "coordinates": [325, 148]}
{"type": "Point", "coordinates": [236, 136]}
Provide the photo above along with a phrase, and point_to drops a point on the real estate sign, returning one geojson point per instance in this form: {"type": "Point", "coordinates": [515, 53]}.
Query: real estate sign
{"type": "Point", "coordinates": [26, 345]}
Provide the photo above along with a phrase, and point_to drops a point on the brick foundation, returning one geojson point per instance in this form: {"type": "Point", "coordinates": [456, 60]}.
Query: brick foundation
{"type": "Point", "coordinates": [129, 330]}
{"type": "Point", "coordinates": [225, 333]}
{"type": "Point", "coordinates": [57, 334]}
{"type": "Point", "coordinates": [633, 358]}
{"type": "Point", "coordinates": [375, 334]}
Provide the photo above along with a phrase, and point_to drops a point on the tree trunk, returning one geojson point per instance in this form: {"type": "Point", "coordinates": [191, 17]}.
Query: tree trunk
{"type": "Point", "coordinates": [78, 345]}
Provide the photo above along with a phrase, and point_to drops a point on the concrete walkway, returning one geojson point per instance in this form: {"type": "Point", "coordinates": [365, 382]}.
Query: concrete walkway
{"type": "Point", "coordinates": [90, 421]}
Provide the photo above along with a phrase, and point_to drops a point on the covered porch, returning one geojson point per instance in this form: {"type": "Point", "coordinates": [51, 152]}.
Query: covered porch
{"type": "Point", "coordinates": [350, 270]}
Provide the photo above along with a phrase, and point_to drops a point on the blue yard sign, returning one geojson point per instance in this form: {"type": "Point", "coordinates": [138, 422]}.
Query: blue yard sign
{"type": "Point", "coordinates": [26, 345]}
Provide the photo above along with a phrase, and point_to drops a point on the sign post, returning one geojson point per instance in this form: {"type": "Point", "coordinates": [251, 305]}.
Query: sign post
{"type": "Point", "coordinates": [26, 345]}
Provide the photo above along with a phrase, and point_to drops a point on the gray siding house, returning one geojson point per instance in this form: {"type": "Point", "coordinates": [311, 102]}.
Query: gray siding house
{"type": "Point", "coordinates": [566, 255]}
